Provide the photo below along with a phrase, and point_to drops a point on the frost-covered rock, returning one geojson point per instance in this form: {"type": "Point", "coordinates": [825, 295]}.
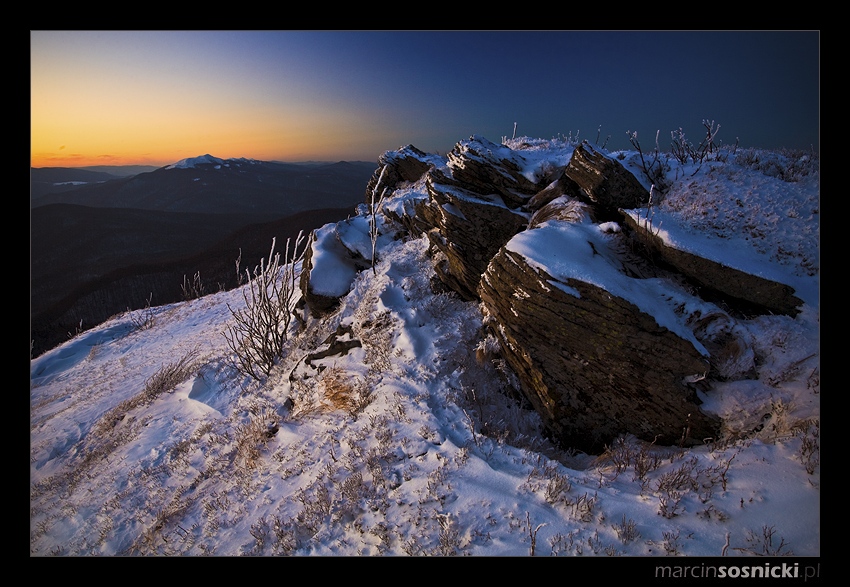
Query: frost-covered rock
{"type": "Point", "coordinates": [487, 168]}
{"type": "Point", "coordinates": [603, 181]}
{"type": "Point", "coordinates": [466, 230]}
{"type": "Point", "coordinates": [336, 253]}
{"type": "Point", "coordinates": [603, 340]}
{"type": "Point", "coordinates": [594, 352]}
{"type": "Point", "coordinates": [760, 294]}
{"type": "Point", "coordinates": [407, 164]}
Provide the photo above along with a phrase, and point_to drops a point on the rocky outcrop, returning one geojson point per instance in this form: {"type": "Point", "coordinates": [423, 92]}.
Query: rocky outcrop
{"type": "Point", "coordinates": [603, 181]}
{"type": "Point", "coordinates": [337, 252]}
{"type": "Point", "coordinates": [550, 252]}
{"type": "Point", "coordinates": [407, 164]}
{"type": "Point", "coordinates": [592, 363]}
{"type": "Point", "coordinates": [475, 206]}
{"type": "Point", "coordinates": [466, 230]}
{"type": "Point", "coordinates": [486, 168]}
{"type": "Point", "coordinates": [758, 294]}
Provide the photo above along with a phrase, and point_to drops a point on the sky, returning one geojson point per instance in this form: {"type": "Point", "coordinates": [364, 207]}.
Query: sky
{"type": "Point", "coordinates": [122, 465]}
{"type": "Point", "coordinates": [156, 97]}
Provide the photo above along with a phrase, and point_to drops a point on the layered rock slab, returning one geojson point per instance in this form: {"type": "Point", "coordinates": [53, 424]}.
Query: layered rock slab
{"type": "Point", "coordinates": [761, 295]}
{"type": "Point", "coordinates": [603, 181]}
{"type": "Point", "coordinates": [592, 363]}
{"type": "Point", "coordinates": [466, 230]}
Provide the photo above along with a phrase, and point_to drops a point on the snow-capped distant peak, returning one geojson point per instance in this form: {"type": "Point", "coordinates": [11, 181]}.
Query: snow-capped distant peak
{"type": "Point", "coordinates": [192, 162]}
{"type": "Point", "coordinates": [208, 159]}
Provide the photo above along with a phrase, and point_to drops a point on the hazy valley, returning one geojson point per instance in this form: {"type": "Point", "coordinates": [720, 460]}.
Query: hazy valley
{"type": "Point", "coordinates": [102, 243]}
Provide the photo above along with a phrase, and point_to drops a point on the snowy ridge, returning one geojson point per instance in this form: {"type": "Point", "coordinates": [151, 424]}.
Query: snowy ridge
{"type": "Point", "coordinates": [413, 442]}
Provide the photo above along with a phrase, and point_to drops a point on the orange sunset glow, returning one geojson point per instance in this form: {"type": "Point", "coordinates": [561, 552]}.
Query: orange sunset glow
{"type": "Point", "coordinates": [155, 97]}
{"type": "Point", "coordinates": [117, 98]}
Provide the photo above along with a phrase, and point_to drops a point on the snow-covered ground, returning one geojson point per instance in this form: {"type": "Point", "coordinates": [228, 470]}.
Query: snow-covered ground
{"type": "Point", "coordinates": [146, 440]}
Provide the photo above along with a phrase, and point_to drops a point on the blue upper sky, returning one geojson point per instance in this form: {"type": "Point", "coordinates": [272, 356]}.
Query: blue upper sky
{"type": "Point", "coordinates": [161, 96]}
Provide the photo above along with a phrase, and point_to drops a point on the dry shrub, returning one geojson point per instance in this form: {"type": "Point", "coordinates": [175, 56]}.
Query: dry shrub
{"type": "Point", "coordinates": [627, 530]}
{"type": "Point", "coordinates": [260, 330]}
{"type": "Point", "coordinates": [253, 435]}
{"type": "Point", "coordinates": [342, 392]}
{"type": "Point", "coordinates": [809, 433]}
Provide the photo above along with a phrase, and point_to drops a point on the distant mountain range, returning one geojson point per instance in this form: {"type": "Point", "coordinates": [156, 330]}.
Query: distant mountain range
{"type": "Point", "coordinates": [102, 243]}
{"type": "Point", "coordinates": [208, 184]}
{"type": "Point", "coordinates": [46, 180]}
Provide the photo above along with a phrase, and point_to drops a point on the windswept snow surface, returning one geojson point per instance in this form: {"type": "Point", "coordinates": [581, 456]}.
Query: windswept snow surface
{"type": "Point", "coordinates": [145, 439]}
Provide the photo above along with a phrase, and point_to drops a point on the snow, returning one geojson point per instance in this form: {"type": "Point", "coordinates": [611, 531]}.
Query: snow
{"type": "Point", "coordinates": [557, 247]}
{"type": "Point", "coordinates": [336, 279]}
{"type": "Point", "coordinates": [192, 162]}
{"type": "Point", "coordinates": [413, 443]}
